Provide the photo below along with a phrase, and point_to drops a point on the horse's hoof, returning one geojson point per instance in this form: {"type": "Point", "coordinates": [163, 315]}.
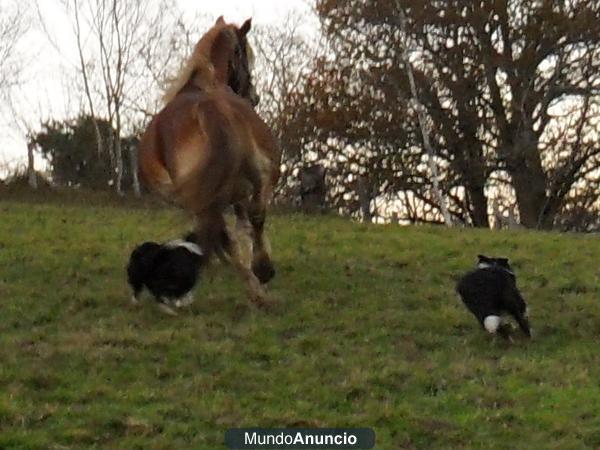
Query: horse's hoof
{"type": "Point", "coordinates": [265, 303]}
{"type": "Point", "coordinates": [264, 271]}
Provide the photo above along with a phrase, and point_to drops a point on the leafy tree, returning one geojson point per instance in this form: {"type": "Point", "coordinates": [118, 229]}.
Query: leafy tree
{"type": "Point", "coordinates": [494, 76]}
{"type": "Point", "coordinates": [70, 147]}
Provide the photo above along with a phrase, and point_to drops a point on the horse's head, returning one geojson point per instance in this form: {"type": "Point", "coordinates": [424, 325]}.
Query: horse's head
{"type": "Point", "coordinates": [222, 56]}
{"type": "Point", "coordinates": [232, 58]}
{"type": "Point", "coordinates": [240, 63]}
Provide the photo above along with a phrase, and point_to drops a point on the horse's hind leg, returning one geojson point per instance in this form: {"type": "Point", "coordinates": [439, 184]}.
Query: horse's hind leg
{"type": "Point", "coordinates": [254, 213]}
{"type": "Point", "coordinates": [241, 246]}
{"type": "Point", "coordinates": [211, 229]}
{"type": "Point", "coordinates": [253, 210]}
{"type": "Point", "coordinates": [262, 263]}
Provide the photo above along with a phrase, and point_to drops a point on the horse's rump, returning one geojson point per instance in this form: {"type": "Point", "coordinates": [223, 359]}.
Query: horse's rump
{"type": "Point", "coordinates": [206, 150]}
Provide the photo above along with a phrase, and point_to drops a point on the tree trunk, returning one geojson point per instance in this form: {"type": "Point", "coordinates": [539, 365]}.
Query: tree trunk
{"type": "Point", "coordinates": [31, 175]}
{"type": "Point", "coordinates": [529, 181]}
{"type": "Point", "coordinates": [119, 165]}
{"type": "Point", "coordinates": [498, 218]}
{"type": "Point", "coordinates": [479, 215]}
{"type": "Point", "coordinates": [133, 159]}
{"type": "Point", "coordinates": [118, 150]}
{"type": "Point", "coordinates": [364, 198]}
{"type": "Point", "coordinates": [437, 191]}
{"type": "Point", "coordinates": [99, 142]}
{"type": "Point", "coordinates": [86, 85]}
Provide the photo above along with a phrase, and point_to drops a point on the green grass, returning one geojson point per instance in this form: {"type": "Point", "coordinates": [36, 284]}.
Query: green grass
{"type": "Point", "coordinates": [368, 333]}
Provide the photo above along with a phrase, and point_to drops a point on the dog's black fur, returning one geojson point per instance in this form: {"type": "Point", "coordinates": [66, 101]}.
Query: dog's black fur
{"type": "Point", "coordinates": [169, 272]}
{"type": "Point", "coordinates": [491, 290]}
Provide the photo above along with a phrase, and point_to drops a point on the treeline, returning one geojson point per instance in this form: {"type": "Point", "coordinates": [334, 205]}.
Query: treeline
{"type": "Point", "coordinates": [509, 96]}
{"type": "Point", "coordinates": [476, 113]}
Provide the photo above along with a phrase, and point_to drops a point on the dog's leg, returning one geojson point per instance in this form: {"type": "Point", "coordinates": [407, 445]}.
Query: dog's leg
{"type": "Point", "coordinates": [518, 309]}
{"type": "Point", "coordinates": [135, 296]}
{"type": "Point", "coordinates": [504, 331]}
{"type": "Point", "coordinates": [187, 300]}
{"type": "Point", "coordinates": [497, 326]}
{"type": "Point", "coordinates": [523, 319]}
{"type": "Point", "coordinates": [164, 307]}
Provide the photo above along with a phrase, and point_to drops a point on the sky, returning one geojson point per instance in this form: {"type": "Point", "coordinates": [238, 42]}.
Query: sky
{"type": "Point", "coordinates": [262, 11]}
{"type": "Point", "coordinates": [44, 94]}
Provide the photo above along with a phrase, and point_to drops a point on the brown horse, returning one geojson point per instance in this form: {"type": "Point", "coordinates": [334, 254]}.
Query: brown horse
{"type": "Point", "coordinates": [208, 150]}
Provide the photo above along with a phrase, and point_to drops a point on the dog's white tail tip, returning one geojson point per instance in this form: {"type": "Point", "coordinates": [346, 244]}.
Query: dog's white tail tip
{"type": "Point", "coordinates": [491, 323]}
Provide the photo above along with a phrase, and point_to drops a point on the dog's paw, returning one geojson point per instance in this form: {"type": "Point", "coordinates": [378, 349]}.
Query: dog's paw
{"type": "Point", "coordinates": [184, 301]}
{"type": "Point", "coordinates": [167, 309]}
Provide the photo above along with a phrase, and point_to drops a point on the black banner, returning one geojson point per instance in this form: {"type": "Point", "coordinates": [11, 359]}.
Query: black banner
{"type": "Point", "coordinates": [299, 438]}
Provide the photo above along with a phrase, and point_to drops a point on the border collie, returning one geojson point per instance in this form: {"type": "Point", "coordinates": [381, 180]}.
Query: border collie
{"type": "Point", "coordinates": [489, 292]}
{"type": "Point", "coordinates": [169, 271]}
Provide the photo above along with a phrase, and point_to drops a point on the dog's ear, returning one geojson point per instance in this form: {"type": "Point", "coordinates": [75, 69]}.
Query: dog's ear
{"type": "Point", "coordinates": [503, 262]}
{"type": "Point", "coordinates": [190, 237]}
{"type": "Point", "coordinates": [483, 258]}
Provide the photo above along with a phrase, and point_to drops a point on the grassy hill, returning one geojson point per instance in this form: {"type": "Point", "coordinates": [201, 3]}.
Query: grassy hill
{"type": "Point", "coordinates": [369, 332]}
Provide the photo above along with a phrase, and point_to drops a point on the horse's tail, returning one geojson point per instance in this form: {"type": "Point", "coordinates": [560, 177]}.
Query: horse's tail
{"type": "Point", "coordinates": [209, 184]}
{"type": "Point", "coordinates": [151, 165]}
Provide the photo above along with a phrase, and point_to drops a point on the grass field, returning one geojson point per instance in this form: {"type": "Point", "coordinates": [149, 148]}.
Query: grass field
{"type": "Point", "coordinates": [368, 333]}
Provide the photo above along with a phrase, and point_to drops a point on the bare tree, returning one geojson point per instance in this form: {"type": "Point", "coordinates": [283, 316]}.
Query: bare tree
{"type": "Point", "coordinates": [116, 26]}
{"type": "Point", "coordinates": [124, 49]}
{"type": "Point", "coordinates": [285, 54]}
{"type": "Point", "coordinates": [422, 117]}
{"type": "Point", "coordinates": [14, 24]}
{"type": "Point", "coordinates": [21, 122]}
{"type": "Point", "coordinates": [284, 57]}
{"type": "Point", "coordinates": [85, 78]}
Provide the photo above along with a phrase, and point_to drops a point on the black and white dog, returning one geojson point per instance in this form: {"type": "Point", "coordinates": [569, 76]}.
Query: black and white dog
{"type": "Point", "coordinates": [169, 271]}
{"type": "Point", "coordinates": [490, 292]}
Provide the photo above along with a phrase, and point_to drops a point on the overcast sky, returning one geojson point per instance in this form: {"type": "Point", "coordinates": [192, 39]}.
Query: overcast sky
{"type": "Point", "coordinates": [44, 94]}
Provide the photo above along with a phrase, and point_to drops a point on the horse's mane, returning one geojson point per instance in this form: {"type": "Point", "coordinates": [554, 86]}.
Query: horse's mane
{"type": "Point", "coordinates": [199, 63]}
